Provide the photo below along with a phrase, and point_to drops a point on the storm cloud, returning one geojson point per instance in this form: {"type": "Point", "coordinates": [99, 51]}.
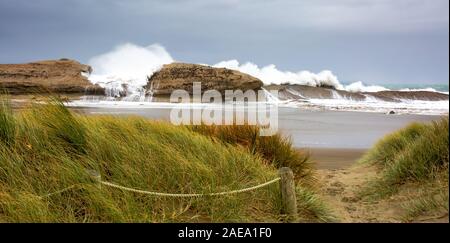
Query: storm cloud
{"type": "Point", "coordinates": [378, 41]}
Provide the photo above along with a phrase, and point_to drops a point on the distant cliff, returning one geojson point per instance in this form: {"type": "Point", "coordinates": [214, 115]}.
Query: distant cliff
{"type": "Point", "coordinates": [56, 76]}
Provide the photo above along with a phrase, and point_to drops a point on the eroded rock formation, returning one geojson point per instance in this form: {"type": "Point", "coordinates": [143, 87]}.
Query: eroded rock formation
{"type": "Point", "coordinates": [55, 76]}
{"type": "Point", "coordinates": [182, 75]}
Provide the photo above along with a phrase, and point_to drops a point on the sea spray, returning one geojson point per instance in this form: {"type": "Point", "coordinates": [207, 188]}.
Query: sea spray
{"type": "Point", "coordinates": [358, 86]}
{"type": "Point", "coordinates": [124, 70]}
{"type": "Point", "coordinates": [271, 75]}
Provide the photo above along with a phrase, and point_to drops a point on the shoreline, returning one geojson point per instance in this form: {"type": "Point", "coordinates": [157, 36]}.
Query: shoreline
{"type": "Point", "coordinates": [307, 128]}
{"type": "Point", "coordinates": [334, 158]}
{"type": "Point", "coordinates": [349, 130]}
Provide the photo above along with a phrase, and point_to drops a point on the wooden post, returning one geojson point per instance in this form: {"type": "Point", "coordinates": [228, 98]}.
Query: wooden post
{"type": "Point", "coordinates": [288, 198]}
{"type": "Point", "coordinates": [95, 176]}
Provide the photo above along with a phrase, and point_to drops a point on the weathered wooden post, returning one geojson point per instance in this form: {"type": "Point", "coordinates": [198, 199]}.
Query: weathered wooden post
{"type": "Point", "coordinates": [289, 201]}
{"type": "Point", "coordinates": [95, 175]}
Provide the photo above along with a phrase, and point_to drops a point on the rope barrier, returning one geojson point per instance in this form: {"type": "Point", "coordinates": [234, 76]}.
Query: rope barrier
{"type": "Point", "coordinates": [287, 188]}
{"type": "Point", "coordinates": [163, 194]}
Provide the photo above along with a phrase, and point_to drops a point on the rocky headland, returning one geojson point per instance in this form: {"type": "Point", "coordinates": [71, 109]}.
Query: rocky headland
{"type": "Point", "coordinates": [63, 76]}
{"type": "Point", "coordinates": [182, 76]}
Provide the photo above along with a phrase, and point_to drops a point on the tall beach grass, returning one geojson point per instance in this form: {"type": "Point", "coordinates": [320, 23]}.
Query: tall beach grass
{"type": "Point", "coordinates": [416, 152]}
{"type": "Point", "coordinates": [413, 162]}
{"type": "Point", "coordinates": [46, 151]}
{"type": "Point", "coordinates": [276, 150]}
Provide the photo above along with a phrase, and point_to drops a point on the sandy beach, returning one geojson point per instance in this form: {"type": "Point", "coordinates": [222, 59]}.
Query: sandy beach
{"type": "Point", "coordinates": [335, 139]}
{"type": "Point", "coordinates": [334, 158]}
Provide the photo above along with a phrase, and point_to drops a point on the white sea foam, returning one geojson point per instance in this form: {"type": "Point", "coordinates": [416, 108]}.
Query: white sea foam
{"type": "Point", "coordinates": [375, 105]}
{"type": "Point", "coordinates": [127, 67]}
{"type": "Point", "coordinates": [271, 75]}
{"type": "Point", "coordinates": [125, 70]}
{"type": "Point", "coordinates": [358, 86]}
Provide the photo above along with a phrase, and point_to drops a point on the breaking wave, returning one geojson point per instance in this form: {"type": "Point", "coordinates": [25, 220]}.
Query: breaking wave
{"type": "Point", "coordinates": [386, 101]}
{"type": "Point", "coordinates": [127, 67]}
{"type": "Point", "coordinates": [360, 87]}
{"type": "Point", "coordinates": [270, 75]}
{"type": "Point", "coordinates": [124, 72]}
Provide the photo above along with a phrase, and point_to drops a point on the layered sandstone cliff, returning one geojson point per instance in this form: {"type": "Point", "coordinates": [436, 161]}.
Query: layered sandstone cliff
{"type": "Point", "coordinates": [56, 76]}
{"type": "Point", "coordinates": [182, 75]}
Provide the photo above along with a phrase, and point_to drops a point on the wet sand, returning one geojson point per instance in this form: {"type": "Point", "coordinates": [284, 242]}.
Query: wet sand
{"type": "Point", "coordinates": [335, 158]}
{"type": "Point", "coordinates": [341, 129]}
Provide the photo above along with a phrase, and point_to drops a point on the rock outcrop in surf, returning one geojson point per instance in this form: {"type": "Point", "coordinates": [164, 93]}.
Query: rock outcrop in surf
{"type": "Point", "coordinates": [70, 76]}
{"type": "Point", "coordinates": [182, 75]}
{"type": "Point", "coordinates": [55, 76]}
{"type": "Point", "coordinates": [304, 92]}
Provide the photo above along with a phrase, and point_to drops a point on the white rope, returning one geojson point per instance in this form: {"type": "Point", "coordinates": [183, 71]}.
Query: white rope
{"type": "Point", "coordinates": [162, 194]}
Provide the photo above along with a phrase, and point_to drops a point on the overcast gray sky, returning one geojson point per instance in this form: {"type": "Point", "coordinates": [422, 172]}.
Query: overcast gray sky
{"type": "Point", "coordinates": [377, 41]}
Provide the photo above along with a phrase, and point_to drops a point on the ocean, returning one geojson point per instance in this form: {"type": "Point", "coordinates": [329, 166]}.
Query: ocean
{"type": "Point", "coordinates": [422, 86]}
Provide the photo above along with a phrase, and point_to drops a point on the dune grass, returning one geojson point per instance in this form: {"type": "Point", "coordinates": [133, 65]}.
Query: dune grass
{"type": "Point", "coordinates": [417, 157]}
{"type": "Point", "coordinates": [46, 151]}
{"type": "Point", "coordinates": [428, 201]}
{"type": "Point", "coordinates": [417, 152]}
{"type": "Point", "coordinates": [276, 150]}
{"type": "Point", "coordinates": [7, 122]}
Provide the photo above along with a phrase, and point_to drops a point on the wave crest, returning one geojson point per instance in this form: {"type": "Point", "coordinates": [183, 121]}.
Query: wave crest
{"type": "Point", "coordinates": [127, 66]}
{"type": "Point", "coordinates": [270, 75]}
